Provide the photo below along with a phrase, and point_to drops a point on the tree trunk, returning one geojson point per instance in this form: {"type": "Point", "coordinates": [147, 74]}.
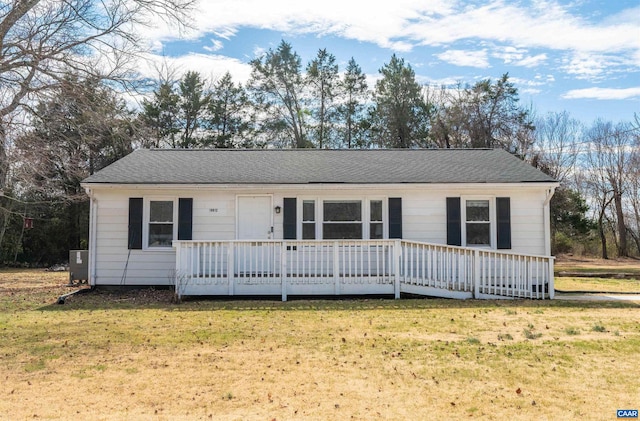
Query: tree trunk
{"type": "Point", "coordinates": [5, 213]}
{"type": "Point", "coordinates": [623, 249]}
{"type": "Point", "coordinates": [603, 237]}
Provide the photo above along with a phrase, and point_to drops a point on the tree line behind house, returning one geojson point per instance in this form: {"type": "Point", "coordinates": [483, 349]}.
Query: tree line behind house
{"type": "Point", "coordinates": [81, 123]}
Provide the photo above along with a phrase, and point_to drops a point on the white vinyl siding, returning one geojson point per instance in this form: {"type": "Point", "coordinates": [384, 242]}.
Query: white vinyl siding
{"type": "Point", "coordinates": [423, 218]}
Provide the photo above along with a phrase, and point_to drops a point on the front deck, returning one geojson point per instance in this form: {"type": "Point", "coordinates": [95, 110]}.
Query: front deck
{"type": "Point", "coordinates": [357, 267]}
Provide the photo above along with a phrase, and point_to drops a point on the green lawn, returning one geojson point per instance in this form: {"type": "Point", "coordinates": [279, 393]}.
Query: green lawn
{"type": "Point", "coordinates": [138, 356]}
{"type": "Point", "coordinates": [572, 283]}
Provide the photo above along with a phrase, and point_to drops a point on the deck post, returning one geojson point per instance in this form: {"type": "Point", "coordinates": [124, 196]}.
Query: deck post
{"type": "Point", "coordinates": [336, 268]}
{"type": "Point", "coordinates": [230, 266]}
{"type": "Point", "coordinates": [283, 269]}
{"type": "Point", "coordinates": [476, 274]}
{"type": "Point", "coordinates": [397, 254]}
{"type": "Point", "coordinates": [552, 290]}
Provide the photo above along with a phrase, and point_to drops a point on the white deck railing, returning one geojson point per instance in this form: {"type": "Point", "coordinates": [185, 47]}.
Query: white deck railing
{"type": "Point", "coordinates": [274, 267]}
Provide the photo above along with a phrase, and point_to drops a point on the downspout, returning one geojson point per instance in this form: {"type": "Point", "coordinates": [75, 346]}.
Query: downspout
{"type": "Point", "coordinates": [93, 229]}
{"type": "Point", "coordinates": [547, 221]}
{"type": "Point", "coordinates": [547, 240]}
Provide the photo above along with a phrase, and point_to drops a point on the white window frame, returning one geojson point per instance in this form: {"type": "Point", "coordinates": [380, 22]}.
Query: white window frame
{"type": "Point", "coordinates": [385, 217]}
{"type": "Point", "coordinates": [147, 217]}
{"type": "Point", "coordinates": [492, 220]}
{"type": "Point", "coordinates": [365, 216]}
{"type": "Point", "coordinates": [300, 222]}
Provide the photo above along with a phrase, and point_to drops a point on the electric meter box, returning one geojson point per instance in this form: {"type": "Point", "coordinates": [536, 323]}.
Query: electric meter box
{"type": "Point", "coordinates": [78, 266]}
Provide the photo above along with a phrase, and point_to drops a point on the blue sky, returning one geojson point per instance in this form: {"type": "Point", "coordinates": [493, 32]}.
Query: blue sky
{"type": "Point", "coordinates": [581, 56]}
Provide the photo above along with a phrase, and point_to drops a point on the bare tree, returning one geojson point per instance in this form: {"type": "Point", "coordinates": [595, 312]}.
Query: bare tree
{"type": "Point", "coordinates": [484, 115]}
{"type": "Point", "coordinates": [557, 139]}
{"type": "Point", "coordinates": [633, 183]}
{"type": "Point", "coordinates": [42, 40]}
{"type": "Point", "coordinates": [610, 160]}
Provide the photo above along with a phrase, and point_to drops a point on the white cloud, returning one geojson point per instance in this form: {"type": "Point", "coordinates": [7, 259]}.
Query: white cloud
{"type": "Point", "coordinates": [603, 93]}
{"type": "Point", "coordinates": [216, 66]}
{"type": "Point", "coordinates": [509, 54]}
{"type": "Point", "coordinates": [465, 58]}
{"type": "Point", "coordinates": [530, 91]}
{"type": "Point", "coordinates": [586, 66]}
{"type": "Point", "coordinates": [518, 56]}
{"type": "Point", "coordinates": [532, 61]}
{"type": "Point", "coordinates": [545, 25]}
{"type": "Point", "coordinates": [402, 24]}
{"type": "Point", "coordinates": [225, 33]}
{"type": "Point", "coordinates": [216, 45]}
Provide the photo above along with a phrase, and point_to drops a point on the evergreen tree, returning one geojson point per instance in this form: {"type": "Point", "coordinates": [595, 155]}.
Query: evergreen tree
{"type": "Point", "coordinates": [322, 77]}
{"type": "Point", "coordinates": [277, 86]}
{"type": "Point", "coordinates": [161, 116]}
{"type": "Point", "coordinates": [400, 116]}
{"type": "Point", "coordinates": [193, 104]}
{"type": "Point", "coordinates": [228, 124]}
{"type": "Point", "coordinates": [352, 111]}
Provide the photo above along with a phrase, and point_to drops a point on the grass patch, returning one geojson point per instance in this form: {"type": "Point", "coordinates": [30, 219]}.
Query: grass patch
{"type": "Point", "coordinates": [572, 331]}
{"type": "Point", "coordinates": [597, 284]}
{"type": "Point", "coordinates": [530, 334]}
{"type": "Point", "coordinates": [595, 265]}
{"type": "Point", "coordinates": [320, 359]}
{"type": "Point", "coordinates": [598, 328]}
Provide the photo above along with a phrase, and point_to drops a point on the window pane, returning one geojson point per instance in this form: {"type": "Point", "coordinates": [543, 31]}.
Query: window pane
{"type": "Point", "coordinates": [308, 231]}
{"type": "Point", "coordinates": [348, 210]}
{"type": "Point", "coordinates": [376, 210]}
{"type": "Point", "coordinates": [342, 231]}
{"type": "Point", "coordinates": [477, 210]}
{"type": "Point", "coordinates": [478, 234]}
{"type": "Point", "coordinates": [309, 210]}
{"type": "Point", "coordinates": [375, 231]}
{"type": "Point", "coordinates": [160, 235]}
{"type": "Point", "coordinates": [161, 211]}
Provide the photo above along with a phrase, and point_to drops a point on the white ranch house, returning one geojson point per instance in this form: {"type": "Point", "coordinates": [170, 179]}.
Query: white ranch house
{"type": "Point", "coordinates": [469, 223]}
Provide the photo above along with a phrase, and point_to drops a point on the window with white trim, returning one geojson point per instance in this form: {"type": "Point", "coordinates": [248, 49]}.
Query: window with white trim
{"type": "Point", "coordinates": [342, 219]}
{"type": "Point", "coordinates": [376, 224]}
{"type": "Point", "coordinates": [478, 223]}
{"type": "Point", "coordinates": [308, 219]}
{"type": "Point", "coordinates": [160, 227]}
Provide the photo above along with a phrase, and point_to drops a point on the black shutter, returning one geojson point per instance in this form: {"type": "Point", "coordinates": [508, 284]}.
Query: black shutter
{"type": "Point", "coordinates": [395, 217]}
{"type": "Point", "coordinates": [289, 218]}
{"type": "Point", "coordinates": [454, 223]}
{"type": "Point", "coordinates": [185, 219]}
{"type": "Point", "coordinates": [135, 223]}
{"type": "Point", "coordinates": [503, 211]}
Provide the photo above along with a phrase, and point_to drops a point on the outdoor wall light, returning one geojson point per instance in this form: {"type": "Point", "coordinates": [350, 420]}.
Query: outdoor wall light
{"type": "Point", "coordinates": [278, 209]}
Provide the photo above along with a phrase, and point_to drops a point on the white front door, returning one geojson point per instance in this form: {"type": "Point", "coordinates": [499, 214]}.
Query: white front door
{"type": "Point", "coordinates": [254, 218]}
{"type": "Point", "coordinates": [254, 259]}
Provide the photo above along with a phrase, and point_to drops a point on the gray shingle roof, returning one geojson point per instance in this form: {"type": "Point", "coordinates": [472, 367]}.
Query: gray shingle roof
{"type": "Point", "coordinates": [305, 166]}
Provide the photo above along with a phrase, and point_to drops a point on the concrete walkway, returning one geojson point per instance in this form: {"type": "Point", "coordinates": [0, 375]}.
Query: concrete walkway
{"type": "Point", "coordinates": [597, 297]}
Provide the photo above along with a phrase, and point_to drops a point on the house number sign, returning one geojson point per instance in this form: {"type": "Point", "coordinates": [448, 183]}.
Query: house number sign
{"type": "Point", "coordinates": [217, 209]}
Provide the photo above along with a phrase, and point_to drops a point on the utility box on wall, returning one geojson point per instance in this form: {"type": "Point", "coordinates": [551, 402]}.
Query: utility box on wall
{"type": "Point", "coordinates": [78, 266]}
